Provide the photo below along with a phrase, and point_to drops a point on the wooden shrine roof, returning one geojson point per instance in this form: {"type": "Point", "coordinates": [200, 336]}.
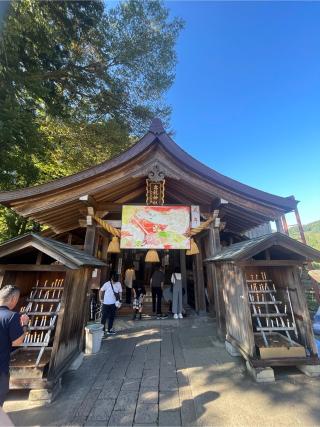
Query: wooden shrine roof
{"type": "Point", "coordinates": [122, 180]}
{"type": "Point", "coordinates": [66, 254]}
{"type": "Point", "coordinates": [249, 248]}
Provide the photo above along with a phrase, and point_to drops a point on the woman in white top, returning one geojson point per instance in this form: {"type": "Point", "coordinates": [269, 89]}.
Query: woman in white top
{"type": "Point", "coordinates": [176, 280]}
{"type": "Point", "coordinates": [129, 277]}
{"type": "Point", "coordinates": [109, 293]}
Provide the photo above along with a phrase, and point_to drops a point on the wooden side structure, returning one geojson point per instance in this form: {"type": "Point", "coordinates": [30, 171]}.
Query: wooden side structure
{"type": "Point", "coordinates": [36, 264]}
{"type": "Point", "coordinates": [249, 273]}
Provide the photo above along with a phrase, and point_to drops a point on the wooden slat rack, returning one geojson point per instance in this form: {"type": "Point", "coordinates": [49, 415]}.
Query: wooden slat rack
{"type": "Point", "coordinates": [43, 309]}
{"type": "Point", "coordinates": [265, 310]}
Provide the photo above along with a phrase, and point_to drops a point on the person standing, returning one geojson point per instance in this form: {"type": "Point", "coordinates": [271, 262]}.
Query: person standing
{"type": "Point", "coordinates": [138, 297]}
{"type": "Point", "coordinates": [129, 277]}
{"type": "Point", "coordinates": [176, 280]}
{"type": "Point", "coordinates": [110, 294]}
{"type": "Point", "coordinates": [13, 327]}
{"type": "Point", "coordinates": [156, 283]}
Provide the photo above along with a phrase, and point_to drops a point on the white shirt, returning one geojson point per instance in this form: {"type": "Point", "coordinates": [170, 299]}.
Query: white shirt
{"type": "Point", "coordinates": [175, 276]}
{"type": "Point", "coordinates": [109, 297]}
{"type": "Point", "coordinates": [130, 275]}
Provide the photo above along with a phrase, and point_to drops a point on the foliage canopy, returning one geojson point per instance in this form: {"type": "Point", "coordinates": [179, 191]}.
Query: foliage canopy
{"type": "Point", "coordinates": [77, 81]}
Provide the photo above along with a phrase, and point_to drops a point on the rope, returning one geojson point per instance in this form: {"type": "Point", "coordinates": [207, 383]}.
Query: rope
{"type": "Point", "coordinates": [116, 232]}
{"type": "Point", "coordinates": [201, 227]}
{"type": "Point", "coordinates": [106, 226]}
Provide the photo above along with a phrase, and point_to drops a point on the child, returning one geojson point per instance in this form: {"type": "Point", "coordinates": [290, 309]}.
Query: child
{"type": "Point", "coordinates": [138, 296]}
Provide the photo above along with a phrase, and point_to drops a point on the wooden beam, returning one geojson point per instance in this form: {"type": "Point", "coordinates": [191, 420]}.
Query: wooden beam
{"type": "Point", "coordinates": [131, 196]}
{"type": "Point", "coordinates": [270, 263]}
{"type": "Point", "coordinates": [39, 258]}
{"type": "Point", "coordinates": [88, 200]}
{"type": "Point", "coordinates": [300, 226]}
{"type": "Point", "coordinates": [32, 267]}
{"type": "Point", "coordinates": [109, 206]}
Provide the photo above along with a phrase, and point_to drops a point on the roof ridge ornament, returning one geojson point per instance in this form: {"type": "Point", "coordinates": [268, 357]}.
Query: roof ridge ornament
{"type": "Point", "coordinates": [157, 172]}
{"type": "Point", "coordinates": [156, 127]}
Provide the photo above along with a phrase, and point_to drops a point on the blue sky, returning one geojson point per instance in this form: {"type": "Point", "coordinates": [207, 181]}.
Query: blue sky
{"type": "Point", "coordinates": [246, 99]}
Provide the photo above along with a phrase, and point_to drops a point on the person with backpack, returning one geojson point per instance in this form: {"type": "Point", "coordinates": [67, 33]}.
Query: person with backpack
{"type": "Point", "coordinates": [176, 280]}
{"type": "Point", "coordinates": [110, 295]}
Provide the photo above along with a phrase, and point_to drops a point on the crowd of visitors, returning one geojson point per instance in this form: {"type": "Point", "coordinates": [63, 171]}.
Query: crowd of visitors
{"type": "Point", "coordinates": [111, 295]}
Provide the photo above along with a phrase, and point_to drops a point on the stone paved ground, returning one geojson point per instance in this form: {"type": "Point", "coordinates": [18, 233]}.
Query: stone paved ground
{"type": "Point", "coordinates": [171, 373]}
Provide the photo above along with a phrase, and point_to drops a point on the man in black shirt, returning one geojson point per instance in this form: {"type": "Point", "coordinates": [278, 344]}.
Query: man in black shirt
{"type": "Point", "coordinates": [157, 282]}
{"type": "Point", "coordinates": [12, 330]}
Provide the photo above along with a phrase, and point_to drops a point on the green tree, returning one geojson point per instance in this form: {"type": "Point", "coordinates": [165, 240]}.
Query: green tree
{"type": "Point", "coordinates": [77, 81]}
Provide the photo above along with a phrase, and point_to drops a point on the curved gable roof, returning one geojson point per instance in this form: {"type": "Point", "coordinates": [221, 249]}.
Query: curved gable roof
{"type": "Point", "coordinates": [155, 135]}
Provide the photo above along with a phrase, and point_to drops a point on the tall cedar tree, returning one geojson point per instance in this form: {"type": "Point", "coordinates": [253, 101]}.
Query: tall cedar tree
{"type": "Point", "coordinates": [78, 80]}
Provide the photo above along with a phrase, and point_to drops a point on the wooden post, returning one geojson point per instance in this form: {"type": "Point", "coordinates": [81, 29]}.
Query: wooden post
{"type": "Point", "coordinates": [90, 247]}
{"type": "Point", "coordinates": [215, 246]}
{"type": "Point", "coordinates": [90, 239]}
{"type": "Point", "coordinates": [104, 257]}
{"type": "Point", "coordinates": [279, 225]}
{"type": "Point", "coordinates": [302, 236]}
{"type": "Point", "coordinates": [183, 268]}
{"type": "Point", "coordinates": [195, 283]}
{"type": "Point", "coordinates": [199, 288]}
{"type": "Point", "coordinates": [285, 225]}
{"type": "Point", "coordinates": [210, 273]}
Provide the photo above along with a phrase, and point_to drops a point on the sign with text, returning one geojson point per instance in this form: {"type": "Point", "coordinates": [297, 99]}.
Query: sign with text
{"type": "Point", "coordinates": [195, 216]}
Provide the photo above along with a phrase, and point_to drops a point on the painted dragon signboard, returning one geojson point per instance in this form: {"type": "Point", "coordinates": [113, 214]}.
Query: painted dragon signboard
{"type": "Point", "coordinates": [155, 227]}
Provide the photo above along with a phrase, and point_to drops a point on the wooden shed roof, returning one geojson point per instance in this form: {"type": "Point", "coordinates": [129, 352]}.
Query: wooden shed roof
{"type": "Point", "coordinates": [122, 180]}
{"type": "Point", "coordinates": [249, 248]}
{"type": "Point", "coordinates": [65, 254]}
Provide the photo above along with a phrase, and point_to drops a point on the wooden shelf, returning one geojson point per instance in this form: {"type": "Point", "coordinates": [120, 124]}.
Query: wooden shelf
{"type": "Point", "coordinates": [40, 328]}
{"type": "Point", "coordinates": [33, 344]}
{"type": "Point", "coordinates": [259, 281]}
{"type": "Point", "coordinates": [48, 288]}
{"type": "Point", "coordinates": [41, 313]}
{"type": "Point", "coordinates": [43, 300]}
{"type": "Point", "coordinates": [275, 328]}
{"type": "Point", "coordinates": [263, 292]}
{"type": "Point", "coordinates": [265, 302]}
{"type": "Point", "coordinates": [269, 315]}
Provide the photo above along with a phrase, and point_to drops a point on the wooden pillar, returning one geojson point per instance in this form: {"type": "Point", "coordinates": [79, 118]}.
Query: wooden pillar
{"type": "Point", "coordinates": [90, 247]}
{"type": "Point", "coordinates": [104, 257]}
{"type": "Point", "coordinates": [199, 288]}
{"type": "Point", "coordinates": [302, 236]}
{"type": "Point", "coordinates": [279, 225]}
{"type": "Point", "coordinates": [285, 225]}
{"type": "Point", "coordinates": [210, 273]}
{"type": "Point", "coordinates": [90, 239]}
{"type": "Point", "coordinates": [215, 246]}
{"type": "Point", "coordinates": [183, 268]}
{"type": "Point", "coordinates": [195, 282]}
